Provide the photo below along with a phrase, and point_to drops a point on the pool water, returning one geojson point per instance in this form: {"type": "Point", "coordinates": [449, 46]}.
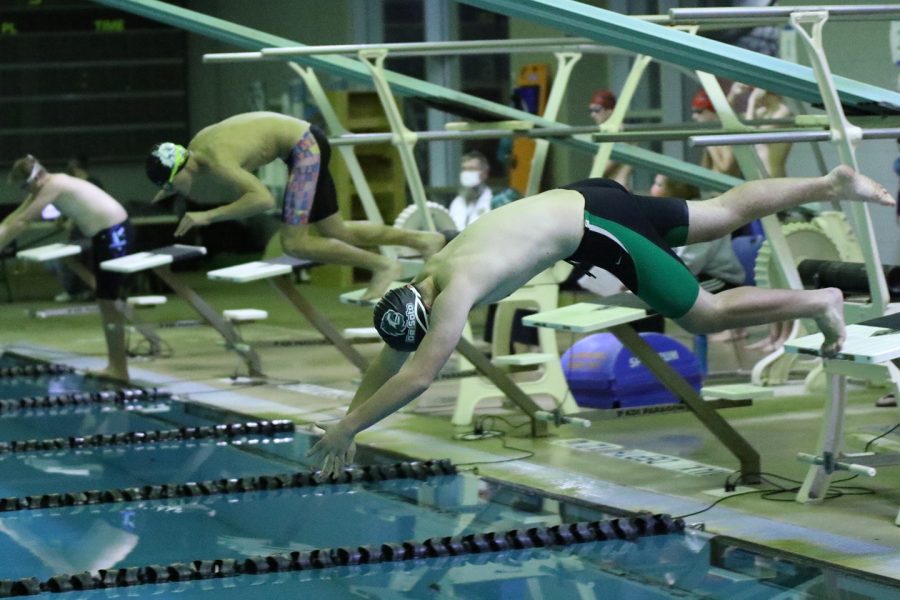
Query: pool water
{"type": "Point", "coordinates": [119, 533]}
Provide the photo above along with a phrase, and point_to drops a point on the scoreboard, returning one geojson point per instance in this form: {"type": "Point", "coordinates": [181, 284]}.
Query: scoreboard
{"type": "Point", "coordinates": [80, 78]}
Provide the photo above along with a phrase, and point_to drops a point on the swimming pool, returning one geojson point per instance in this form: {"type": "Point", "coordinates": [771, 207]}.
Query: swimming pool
{"type": "Point", "coordinates": [233, 513]}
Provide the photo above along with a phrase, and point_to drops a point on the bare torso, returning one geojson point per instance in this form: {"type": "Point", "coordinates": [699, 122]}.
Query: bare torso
{"type": "Point", "coordinates": [90, 208]}
{"type": "Point", "coordinates": [247, 142]}
{"type": "Point", "coordinates": [502, 250]}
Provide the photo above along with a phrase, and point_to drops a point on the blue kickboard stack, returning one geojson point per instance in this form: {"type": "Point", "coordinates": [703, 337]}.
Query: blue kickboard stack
{"type": "Point", "coordinates": [603, 374]}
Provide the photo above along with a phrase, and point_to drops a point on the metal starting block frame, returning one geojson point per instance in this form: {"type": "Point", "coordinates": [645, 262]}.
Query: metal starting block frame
{"type": "Point", "coordinates": [589, 318]}
{"type": "Point", "coordinates": [67, 253]}
{"type": "Point", "coordinates": [277, 272]}
{"type": "Point", "coordinates": [159, 261]}
{"type": "Point", "coordinates": [868, 353]}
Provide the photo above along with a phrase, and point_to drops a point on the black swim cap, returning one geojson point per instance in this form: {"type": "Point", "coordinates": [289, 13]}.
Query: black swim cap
{"type": "Point", "coordinates": [164, 162]}
{"type": "Point", "coordinates": [401, 318]}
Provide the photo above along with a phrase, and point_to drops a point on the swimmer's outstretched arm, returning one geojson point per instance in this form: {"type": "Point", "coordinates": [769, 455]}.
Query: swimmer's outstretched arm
{"type": "Point", "coordinates": [30, 209]}
{"type": "Point", "coordinates": [448, 318]}
{"type": "Point", "coordinates": [254, 199]}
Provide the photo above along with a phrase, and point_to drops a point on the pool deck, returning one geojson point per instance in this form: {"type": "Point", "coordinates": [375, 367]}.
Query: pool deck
{"type": "Point", "coordinates": [314, 382]}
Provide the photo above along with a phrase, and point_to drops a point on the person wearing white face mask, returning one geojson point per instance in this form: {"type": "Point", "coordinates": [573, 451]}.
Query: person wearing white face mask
{"type": "Point", "coordinates": [474, 198]}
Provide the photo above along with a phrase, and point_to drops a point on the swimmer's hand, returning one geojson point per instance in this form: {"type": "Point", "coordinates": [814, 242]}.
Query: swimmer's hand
{"type": "Point", "coordinates": [191, 220]}
{"type": "Point", "coordinates": [336, 450]}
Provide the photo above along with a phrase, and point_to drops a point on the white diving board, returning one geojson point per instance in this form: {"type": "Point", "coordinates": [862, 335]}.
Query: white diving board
{"type": "Point", "coordinates": [356, 296]}
{"type": "Point", "coordinates": [277, 272]}
{"type": "Point", "coordinates": [259, 269]}
{"type": "Point", "coordinates": [864, 344]}
{"type": "Point", "coordinates": [67, 253]}
{"type": "Point", "coordinates": [49, 252]}
{"type": "Point", "coordinates": [143, 261]}
{"type": "Point", "coordinates": [585, 317]}
{"type": "Point", "coordinates": [158, 261]}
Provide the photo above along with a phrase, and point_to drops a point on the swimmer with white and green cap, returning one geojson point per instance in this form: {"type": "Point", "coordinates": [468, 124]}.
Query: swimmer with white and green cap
{"type": "Point", "coordinates": [217, 168]}
{"type": "Point", "coordinates": [591, 223]}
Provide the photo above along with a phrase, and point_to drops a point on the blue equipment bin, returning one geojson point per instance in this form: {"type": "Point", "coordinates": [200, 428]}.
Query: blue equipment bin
{"type": "Point", "coordinates": [601, 373]}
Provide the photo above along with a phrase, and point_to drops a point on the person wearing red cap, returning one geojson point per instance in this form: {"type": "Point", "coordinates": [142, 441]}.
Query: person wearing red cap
{"type": "Point", "coordinates": [601, 107]}
{"type": "Point", "coordinates": [717, 158]}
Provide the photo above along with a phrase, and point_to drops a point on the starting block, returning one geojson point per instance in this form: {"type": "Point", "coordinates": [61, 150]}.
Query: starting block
{"type": "Point", "coordinates": [49, 252]}
{"type": "Point", "coordinates": [868, 353]}
{"type": "Point", "coordinates": [159, 261]}
{"type": "Point", "coordinates": [145, 301]}
{"type": "Point", "coordinates": [356, 296]}
{"type": "Point", "coordinates": [245, 315]}
{"type": "Point", "coordinates": [277, 272]}
{"type": "Point", "coordinates": [615, 318]}
{"type": "Point", "coordinates": [362, 334]}
{"type": "Point", "coordinates": [67, 254]}
{"type": "Point", "coordinates": [143, 261]}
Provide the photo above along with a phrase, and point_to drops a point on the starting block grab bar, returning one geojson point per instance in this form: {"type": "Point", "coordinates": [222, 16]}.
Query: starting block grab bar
{"type": "Point", "coordinates": [830, 465]}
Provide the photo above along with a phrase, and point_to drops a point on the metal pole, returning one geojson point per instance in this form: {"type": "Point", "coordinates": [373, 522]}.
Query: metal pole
{"type": "Point", "coordinates": [423, 46]}
{"type": "Point", "coordinates": [584, 48]}
{"type": "Point", "coordinates": [774, 137]}
{"type": "Point", "coordinates": [682, 15]}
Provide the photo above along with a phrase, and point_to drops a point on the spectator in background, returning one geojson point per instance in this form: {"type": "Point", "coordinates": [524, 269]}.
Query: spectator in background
{"type": "Point", "coordinates": [474, 197]}
{"type": "Point", "coordinates": [718, 158]}
{"type": "Point", "coordinates": [762, 104]}
{"type": "Point", "coordinates": [601, 108]}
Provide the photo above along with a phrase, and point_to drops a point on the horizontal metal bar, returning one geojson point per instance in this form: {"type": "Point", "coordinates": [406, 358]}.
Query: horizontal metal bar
{"type": "Point", "coordinates": [417, 46]}
{"type": "Point", "coordinates": [269, 54]}
{"type": "Point", "coordinates": [663, 135]}
{"type": "Point", "coordinates": [235, 57]}
{"type": "Point", "coordinates": [680, 15]}
{"type": "Point", "coordinates": [774, 137]}
{"type": "Point", "coordinates": [539, 133]}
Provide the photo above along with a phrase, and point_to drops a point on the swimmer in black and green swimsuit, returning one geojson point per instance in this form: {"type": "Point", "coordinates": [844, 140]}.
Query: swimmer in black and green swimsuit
{"type": "Point", "coordinates": [632, 237]}
{"type": "Point", "coordinates": [593, 222]}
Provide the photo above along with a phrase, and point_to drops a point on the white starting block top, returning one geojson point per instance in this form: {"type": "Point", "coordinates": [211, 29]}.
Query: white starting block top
{"type": "Point", "coordinates": [243, 315]}
{"type": "Point", "coordinates": [355, 297]}
{"type": "Point", "coordinates": [142, 261]}
{"type": "Point", "coordinates": [585, 317]}
{"type": "Point", "coordinates": [259, 269]}
{"type": "Point", "coordinates": [146, 300]}
{"type": "Point", "coordinates": [251, 271]}
{"type": "Point", "coordinates": [864, 344]}
{"type": "Point", "coordinates": [361, 333]}
{"type": "Point", "coordinates": [49, 252]}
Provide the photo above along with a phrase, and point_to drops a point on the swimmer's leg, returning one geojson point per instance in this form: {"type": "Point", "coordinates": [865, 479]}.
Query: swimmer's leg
{"type": "Point", "coordinates": [719, 216]}
{"type": "Point", "coordinates": [745, 306]}
{"type": "Point", "coordinates": [297, 241]}
{"type": "Point", "coordinates": [114, 331]}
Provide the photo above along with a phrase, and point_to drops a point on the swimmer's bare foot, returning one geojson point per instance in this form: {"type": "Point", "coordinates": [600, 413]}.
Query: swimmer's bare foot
{"type": "Point", "coordinates": [831, 322]}
{"type": "Point", "coordinates": [850, 185]}
{"type": "Point", "coordinates": [381, 280]}
{"type": "Point", "coordinates": [110, 373]}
